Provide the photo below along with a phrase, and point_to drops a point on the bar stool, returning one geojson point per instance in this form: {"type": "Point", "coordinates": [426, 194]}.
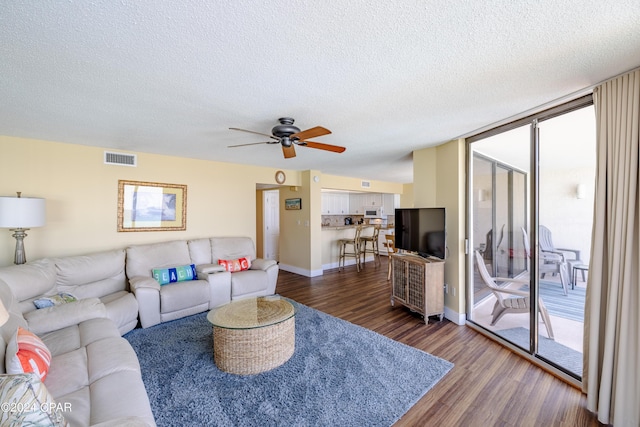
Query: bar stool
{"type": "Point", "coordinates": [374, 249]}
{"type": "Point", "coordinates": [391, 249]}
{"type": "Point", "coordinates": [355, 249]}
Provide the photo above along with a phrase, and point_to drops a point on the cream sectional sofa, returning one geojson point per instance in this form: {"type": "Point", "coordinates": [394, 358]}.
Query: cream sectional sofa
{"type": "Point", "coordinates": [213, 286]}
{"type": "Point", "coordinates": [94, 371]}
{"type": "Point", "coordinates": [94, 375]}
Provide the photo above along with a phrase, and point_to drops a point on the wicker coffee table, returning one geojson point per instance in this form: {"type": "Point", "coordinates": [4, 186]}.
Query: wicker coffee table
{"type": "Point", "coordinates": [253, 335]}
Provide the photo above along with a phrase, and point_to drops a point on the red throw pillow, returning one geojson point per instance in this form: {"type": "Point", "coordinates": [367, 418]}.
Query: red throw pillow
{"type": "Point", "coordinates": [234, 265]}
{"type": "Point", "coordinates": [27, 353]}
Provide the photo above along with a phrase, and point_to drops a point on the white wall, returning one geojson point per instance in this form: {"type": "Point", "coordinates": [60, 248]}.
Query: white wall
{"type": "Point", "coordinates": [570, 219]}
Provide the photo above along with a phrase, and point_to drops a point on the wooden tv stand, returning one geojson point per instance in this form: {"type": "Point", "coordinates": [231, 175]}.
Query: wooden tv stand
{"type": "Point", "coordinates": [418, 284]}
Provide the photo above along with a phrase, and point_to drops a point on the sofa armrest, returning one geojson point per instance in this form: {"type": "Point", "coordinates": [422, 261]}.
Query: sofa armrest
{"type": "Point", "coordinates": [140, 282]}
{"type": "Point", "coordinates": [147, 292]}
{"type": "Point", "coordinates": [262, 264]}
{"type": "Point", "coordinates": [205, 269]}
{"type": "Point", "coordinates": [62, 316]}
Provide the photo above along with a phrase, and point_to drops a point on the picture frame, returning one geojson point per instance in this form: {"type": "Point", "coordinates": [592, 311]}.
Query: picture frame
{"type": "Point", "coordinates": [293, 204]}
{"type": "Point", "coordinates": [151, 206]}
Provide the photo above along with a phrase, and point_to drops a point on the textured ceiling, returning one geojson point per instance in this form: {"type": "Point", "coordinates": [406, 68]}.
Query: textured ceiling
{"type": "Point", "coordinates": [387, 78]}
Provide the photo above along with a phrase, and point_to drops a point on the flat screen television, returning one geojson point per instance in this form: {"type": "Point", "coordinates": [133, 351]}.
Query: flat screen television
{"type": "Point", "coordinates": [421, 230]}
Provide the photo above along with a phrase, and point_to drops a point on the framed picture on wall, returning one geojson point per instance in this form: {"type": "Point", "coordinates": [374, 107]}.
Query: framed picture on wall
{"type": "Point", "coordinates": [293, 204]}
{"type": "Point", "coordinates": [151, 206]}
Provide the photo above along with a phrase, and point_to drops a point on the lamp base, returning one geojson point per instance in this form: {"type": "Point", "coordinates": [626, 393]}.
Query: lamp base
{"type": "Point", "coordinates": [19, 234]}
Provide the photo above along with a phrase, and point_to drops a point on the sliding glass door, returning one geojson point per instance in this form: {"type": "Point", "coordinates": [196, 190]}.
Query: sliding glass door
{"type": "Point", "coordinates": [530, 210]}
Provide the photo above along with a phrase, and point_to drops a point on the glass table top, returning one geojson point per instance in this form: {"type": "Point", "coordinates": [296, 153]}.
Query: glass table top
{"type": "Point", "coordinates": [251, 313]}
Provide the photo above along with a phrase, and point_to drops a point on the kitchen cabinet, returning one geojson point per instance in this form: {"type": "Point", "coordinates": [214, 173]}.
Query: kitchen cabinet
{"type": "Point", "coordinates": [359, 201]}
{"type": "Point", "coordinates": [372, 199]}
{"type": "Point", "coordinates": [418, 284]}
{"type": "Point", "coordinates": [334, 203]}
{"type": "Point", "coordinates": [356, 204]}
{"type": "Point", "coordinates": [390, 202]}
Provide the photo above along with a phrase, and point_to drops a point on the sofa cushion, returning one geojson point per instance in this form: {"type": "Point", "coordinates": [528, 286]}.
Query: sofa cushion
{"type": "Point", "coordinates": [39, 275]}
{"type": "Point", "coordinates": [181, 273]}
{"type": "Point", "coordinates": [68, 372]}
{"type": "Point", "coordinates": [27, 353]}
{"type": "Point", "coordinates": [231, 248]}
{"type": "Point", "coordinates": [200, 251]}
{"type": "Point", "coordinates": [94, 275]}
{"type": "Point", "coordinates": [248, 282]}
{"type": "Point", "coordinates": [141, 259]}
{"type": "Point", "coordinates": [36, 404]}
{"type": "Point", "coordinates": [122, 308]}
{"type": "Point", "coordinates": [74, 337]}
{"type": "Point", "coordinates": [183, 295]}
{"type": "Point", "coordinates": [61, 316]}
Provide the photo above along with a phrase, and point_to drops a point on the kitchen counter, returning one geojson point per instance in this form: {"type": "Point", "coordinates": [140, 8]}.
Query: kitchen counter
{"type": "Point", "coordinates": [344, 227]}
{"type": "Point", "coordinates": [348, 227]}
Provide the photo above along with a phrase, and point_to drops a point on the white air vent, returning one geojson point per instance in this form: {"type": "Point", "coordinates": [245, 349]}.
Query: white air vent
{"type": "Point", "coordinates": [111, 158]}
{"type": "Point", "coordinates": [365, 184]}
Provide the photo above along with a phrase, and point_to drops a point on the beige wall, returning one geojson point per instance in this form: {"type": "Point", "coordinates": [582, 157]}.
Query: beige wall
{"type": "Point", "coordinates": [425, 166]}
{"type": "Point", "coordinates": [406, 198]}
{"type": "Point", "coordinates": [300, 248]}
{"type": "Point", "coordinates": [335, 182]}
{"type": "Point", "coordinates": [439, 181]}
{"type": "Point", "coordinates": [81, 195]}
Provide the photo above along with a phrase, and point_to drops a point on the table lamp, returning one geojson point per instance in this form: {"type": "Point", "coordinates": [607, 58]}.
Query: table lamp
{"type": "Point", "coordinates": [19, 214]}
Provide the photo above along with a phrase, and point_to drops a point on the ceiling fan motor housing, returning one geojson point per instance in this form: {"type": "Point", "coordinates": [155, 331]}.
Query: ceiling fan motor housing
{"type": "Point", "coordinates": [285, 129]}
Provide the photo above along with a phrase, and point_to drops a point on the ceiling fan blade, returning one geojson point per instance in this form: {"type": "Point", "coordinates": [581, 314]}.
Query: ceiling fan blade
{"type": "Point", "coordinates": [257, 133]}
{"type": "Point", "coordinates": [251, 143]}
{"type": "Point", "coordinates": [311, 133]}
{"type": "Point", "coordinates": [288, 152]}
{"type": "Point", "coordinates": [321, 146]}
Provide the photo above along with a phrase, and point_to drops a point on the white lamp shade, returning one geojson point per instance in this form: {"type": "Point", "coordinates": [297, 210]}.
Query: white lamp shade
{"type": "Point", "coordinates": [22, 212]}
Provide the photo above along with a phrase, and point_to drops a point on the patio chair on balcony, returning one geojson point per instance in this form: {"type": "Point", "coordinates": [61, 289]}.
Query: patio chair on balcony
{"type": "Point", "coordinates": [510, 300]}
{"type": "Point", "coordinates": [488, 254]}
{"type": "Point", "coordinates": [549, 261]}
{"type": "Point", "coordinates": [569, 256]}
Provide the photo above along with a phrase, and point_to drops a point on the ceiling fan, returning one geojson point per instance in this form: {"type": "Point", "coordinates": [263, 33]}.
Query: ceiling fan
{"type": "Point", "coordinates": [286, 134]}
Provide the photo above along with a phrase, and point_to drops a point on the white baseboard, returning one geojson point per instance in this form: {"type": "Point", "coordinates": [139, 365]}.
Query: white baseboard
{"type": "Point", "coordinates": [300, 271]}
{"type": "Point", "coordinates": [457, 318]}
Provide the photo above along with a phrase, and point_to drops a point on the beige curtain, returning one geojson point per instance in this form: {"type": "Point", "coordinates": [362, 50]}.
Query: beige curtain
{"type": "Point", "coordinates": [611, 376]}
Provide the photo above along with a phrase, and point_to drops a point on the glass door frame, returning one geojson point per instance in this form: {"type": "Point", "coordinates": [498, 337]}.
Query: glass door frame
{"type": "Point", "coordinates": [534, 223]}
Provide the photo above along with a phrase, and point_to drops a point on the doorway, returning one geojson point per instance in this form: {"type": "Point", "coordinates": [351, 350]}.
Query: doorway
{"type": "Point", "coordinates": [271, 224]}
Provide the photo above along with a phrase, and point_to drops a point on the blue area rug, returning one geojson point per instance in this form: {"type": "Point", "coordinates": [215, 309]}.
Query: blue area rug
{"type": "Point", "coordinates": [340, 375]}
{"type": "Point", "coordinates": [570, 306]}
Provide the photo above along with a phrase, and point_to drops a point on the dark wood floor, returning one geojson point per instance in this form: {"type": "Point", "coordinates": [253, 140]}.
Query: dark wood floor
{"type": "Point", "coordinates": [488, 386]}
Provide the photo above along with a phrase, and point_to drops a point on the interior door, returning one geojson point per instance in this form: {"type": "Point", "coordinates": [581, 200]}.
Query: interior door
{"type": "Point", "coordinates": [271, 232]}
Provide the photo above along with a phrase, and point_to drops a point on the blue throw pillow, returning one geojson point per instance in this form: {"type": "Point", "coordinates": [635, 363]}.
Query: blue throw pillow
{"type": "Point", "coordinates": [182, 273]}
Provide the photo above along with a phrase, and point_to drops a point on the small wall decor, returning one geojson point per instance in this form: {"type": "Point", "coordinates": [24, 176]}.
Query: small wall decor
{"type": "Point", "coordinates": [293, 204]}
{"type": "Point", "coordinates": [151, 206]}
